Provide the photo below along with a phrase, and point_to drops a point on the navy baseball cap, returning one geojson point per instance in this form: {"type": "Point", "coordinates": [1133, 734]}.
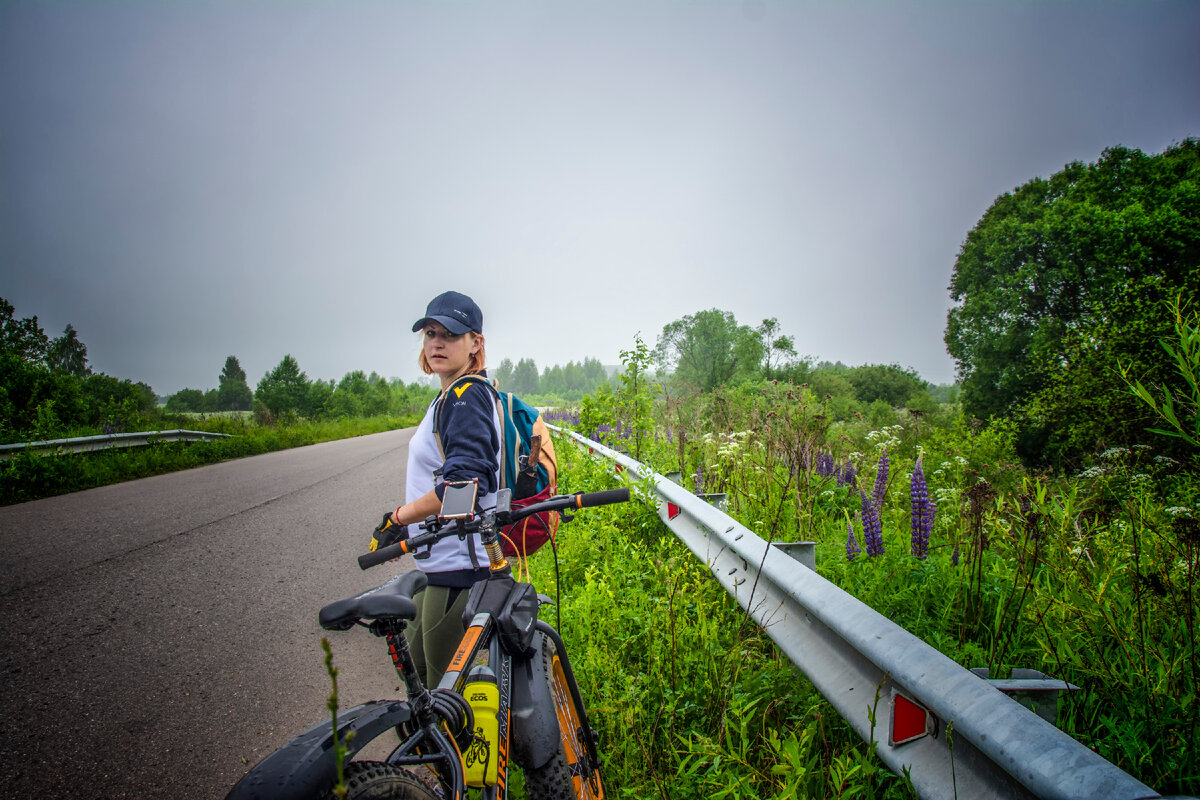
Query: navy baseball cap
{"type": "Point", "coordinates": [456, 312]}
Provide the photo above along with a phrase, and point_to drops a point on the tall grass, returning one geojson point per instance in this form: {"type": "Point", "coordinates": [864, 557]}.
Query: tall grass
{"type": "Point", "coordinates": [689, 702]}
{"type": "Point", "coordinates": [1089, 578]}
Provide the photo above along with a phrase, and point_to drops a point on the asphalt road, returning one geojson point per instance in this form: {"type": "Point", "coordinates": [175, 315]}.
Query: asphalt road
{"type": "Point", "coordinates": [159, 637]}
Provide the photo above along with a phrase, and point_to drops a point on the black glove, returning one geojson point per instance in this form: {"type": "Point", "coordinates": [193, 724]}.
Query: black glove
{"type": "Point", "coordinates": [387, 533]}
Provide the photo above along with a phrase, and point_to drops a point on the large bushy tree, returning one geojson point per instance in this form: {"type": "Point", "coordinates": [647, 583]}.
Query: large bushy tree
{"type": "Point", "coordinates": [709, 349]}
{"type": "Point", "coordinates": [1061, 283]}
{"type": "Point", "coordinates": [284, 389]}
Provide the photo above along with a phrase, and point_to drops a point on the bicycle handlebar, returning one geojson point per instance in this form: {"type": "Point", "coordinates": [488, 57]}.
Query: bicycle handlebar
{"type": "Point", "coordinates": [556, 503]}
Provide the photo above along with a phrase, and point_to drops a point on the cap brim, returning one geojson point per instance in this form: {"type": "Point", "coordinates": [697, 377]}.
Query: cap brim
{"type": "Point", "coordinates": [449, 323]}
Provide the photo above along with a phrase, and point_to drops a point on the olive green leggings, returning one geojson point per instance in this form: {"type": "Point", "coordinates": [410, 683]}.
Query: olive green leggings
{"type": "Point", "coordinates": [434, 635]}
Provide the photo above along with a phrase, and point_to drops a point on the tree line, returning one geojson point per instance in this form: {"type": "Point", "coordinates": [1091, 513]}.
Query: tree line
{"type": "Point", "coordinates": [286, 390]}
{"type": "Point", "coordinates": [711, 349]}
{"type": "Point", "coordinates": [568, 383]}
{"type": "Point", "coordinates": [47, 387]}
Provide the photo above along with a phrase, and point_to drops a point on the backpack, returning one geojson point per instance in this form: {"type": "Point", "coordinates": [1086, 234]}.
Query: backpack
{"type": "Point", "coordinates": [527, 467]}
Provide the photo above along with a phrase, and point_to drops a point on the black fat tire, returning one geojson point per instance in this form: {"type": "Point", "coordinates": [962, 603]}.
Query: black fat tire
{"type": "Point", "coordinates": [554, 780]}
{"type": "Point", "coordinates": [375, 780]}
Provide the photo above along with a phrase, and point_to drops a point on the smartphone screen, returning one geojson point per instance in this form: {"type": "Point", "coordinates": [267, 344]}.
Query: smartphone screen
{"type": "Point", "coordinates": [459, 500]}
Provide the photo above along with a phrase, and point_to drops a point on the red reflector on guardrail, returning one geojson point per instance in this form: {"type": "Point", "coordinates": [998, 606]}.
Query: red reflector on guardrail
{"type": "Point", "coordinates": [910, 721]}
{"type": "Point", "coordinates": [672, 511]}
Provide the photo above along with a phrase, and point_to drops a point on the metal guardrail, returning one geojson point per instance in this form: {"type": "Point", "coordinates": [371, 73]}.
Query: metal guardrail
{"type": "Point", "coordinates": [83, 444]}
{"type": "Point", "coordinates": [955, 734]}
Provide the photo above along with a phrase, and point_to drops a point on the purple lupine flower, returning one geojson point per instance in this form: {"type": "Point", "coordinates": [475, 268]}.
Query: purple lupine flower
{"type": "Point", "coordinates": [872, 526]}
{"type": "Point", "coordinates": [923, 511]}
{"type": "Point", "coordinates": [954, 555]}
{"type": "Point", "coordinates": [881, 480]}
{"type": "Point", "coordinates": [825, 465]}
{"type": "Point", "coordinates": [846, 476]}
{"type": "Point", "coordinates": [699, 480]}
{"type": "Point", "coordinates": [670, 439]}
{"type": "Point", "coordinates": [852, 548]}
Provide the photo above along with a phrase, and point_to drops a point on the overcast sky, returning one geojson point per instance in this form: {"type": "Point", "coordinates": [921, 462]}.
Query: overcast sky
{"type": "Point", "coordinates": [189, 180]}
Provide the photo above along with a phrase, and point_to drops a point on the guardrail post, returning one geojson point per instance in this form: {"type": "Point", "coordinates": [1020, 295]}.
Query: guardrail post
{"type": "Point", "coordinates": [804, 552]}
{"type": "Point", "coordinates": [1035, 690]}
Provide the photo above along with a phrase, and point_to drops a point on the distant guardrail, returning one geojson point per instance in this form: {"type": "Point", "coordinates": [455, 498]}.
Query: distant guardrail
{"type": "Point", "coordinates": [956, 734]}
{"type": "Point", "coordinates": [83, 444]}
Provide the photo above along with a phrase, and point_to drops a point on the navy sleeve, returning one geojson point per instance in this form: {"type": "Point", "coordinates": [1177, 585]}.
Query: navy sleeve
{"type": "Point", "coordinates": [469, 438]}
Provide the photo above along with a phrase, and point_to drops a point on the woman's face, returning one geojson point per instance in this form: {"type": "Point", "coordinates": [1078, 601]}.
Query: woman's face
{"type": "Point", "coordinates": [448, 353]}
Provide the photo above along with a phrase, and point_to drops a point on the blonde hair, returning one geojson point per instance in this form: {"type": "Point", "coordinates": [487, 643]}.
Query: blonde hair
{"type": "Point", "coordinates": [476, 364]}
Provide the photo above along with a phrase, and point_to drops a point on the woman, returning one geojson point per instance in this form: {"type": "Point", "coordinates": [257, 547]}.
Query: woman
{"type": "Point", "coordinates": [452, 347]}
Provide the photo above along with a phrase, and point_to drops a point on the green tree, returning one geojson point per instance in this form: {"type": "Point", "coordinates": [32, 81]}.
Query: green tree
{"type": "Point", "coordinates": [525, 377]}
{"type": "Point", "coordinates": [708, 349]}
{"type": "Point", "coordinates": [68, 355]}
{"type": "Point", "coordinates": [233, 393]}
{"type": "Point", "coordinates": [594, 374]}
{"type": "Point", "coordinates": [186, 400]}
{"type": "Point", "coordinates": [890, 383]}
{"type": "Point", "coordinates": [503, 374]}
{"type": "Point", "coordinates": [25, 382]}
{"type": "Point", "coordinates": [778, 350]}
{"type": "Point", "coordinates": [318, 401]}
{"type": "Point", "coordinates": [22, 339]}
{"type": "Point", "coordinates": [1061, 282]}
{"type": "Point", "coordinates": [284, 388]}
{"type": "Point", "coordinates": [553, 380]}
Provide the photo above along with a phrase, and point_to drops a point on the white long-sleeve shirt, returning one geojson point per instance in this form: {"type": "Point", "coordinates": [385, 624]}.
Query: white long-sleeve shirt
{"type": "Point", "coordinates": [470, 433]}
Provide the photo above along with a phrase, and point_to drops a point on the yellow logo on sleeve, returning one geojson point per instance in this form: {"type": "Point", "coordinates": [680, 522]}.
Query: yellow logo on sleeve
{"type": "Point", "coordinates": [458, 390]}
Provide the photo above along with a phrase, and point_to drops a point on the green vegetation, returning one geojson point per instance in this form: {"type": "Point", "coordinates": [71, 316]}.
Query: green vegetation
{"type": "Point", "coordinates": [49, 392]}
{"type": "Point", "coordinates": [929, 517]}
{"type": "Point", "coordinates": [1060, 288]}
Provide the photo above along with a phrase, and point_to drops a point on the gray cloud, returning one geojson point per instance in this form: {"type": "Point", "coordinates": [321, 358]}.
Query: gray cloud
{"type": "Point", "coordinates": [182, 182]}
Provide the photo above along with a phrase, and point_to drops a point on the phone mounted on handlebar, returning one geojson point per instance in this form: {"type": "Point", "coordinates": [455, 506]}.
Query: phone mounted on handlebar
{"type": "Point", "coordinates": [458, 500]}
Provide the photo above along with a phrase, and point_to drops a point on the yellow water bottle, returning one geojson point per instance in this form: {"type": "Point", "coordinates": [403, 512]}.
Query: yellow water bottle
{"type": "Point", "coordinates": [481, 759]}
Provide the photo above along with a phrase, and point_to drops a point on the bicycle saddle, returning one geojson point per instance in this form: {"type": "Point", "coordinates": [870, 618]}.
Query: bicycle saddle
{"type": "Point", "coordinates": [391, 600]}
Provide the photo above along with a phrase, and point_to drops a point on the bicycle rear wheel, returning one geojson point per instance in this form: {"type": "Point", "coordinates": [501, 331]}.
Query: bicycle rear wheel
{"type": "Point", "coordinates": [571, 774]}
{"type": "Point", "coordinates": [375, 780]}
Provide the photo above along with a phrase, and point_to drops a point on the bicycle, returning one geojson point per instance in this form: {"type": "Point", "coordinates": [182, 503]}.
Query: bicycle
{"type": "Point", "coordinates": [448, 742]}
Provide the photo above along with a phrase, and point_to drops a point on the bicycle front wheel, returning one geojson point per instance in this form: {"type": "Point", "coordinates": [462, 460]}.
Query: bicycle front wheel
{"type": "Point", "coordinates": [375, 780]}
{"type": "Point", "coordinates": [571, 774]}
